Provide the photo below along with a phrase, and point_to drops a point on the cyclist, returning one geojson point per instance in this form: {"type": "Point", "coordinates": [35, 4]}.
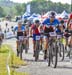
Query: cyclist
{"type": "Point", "coordinates": [41, 31]}
{"type": "Point", "coordinates": [19, 29]}
{"type": "Point", "coordinates": [69, 27]}
{"type": "Point", "coordinates": [52, 22]}
{"type": "Point", "coordinates": [62, 23]}
{"type": "Point", "coordinates": [27, 34]}
{"type": "Point", "coordinates": [34, 31]}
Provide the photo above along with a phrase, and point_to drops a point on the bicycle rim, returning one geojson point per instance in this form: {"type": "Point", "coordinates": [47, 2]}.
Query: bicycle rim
{"type": "Point", "coordinates": [37, 51]}
{"type": "Point", "coordinates": [54, 57]}
{"type": "Point", "coordinates": [49, 54]}
{"type": "Point", "coordinates": [60, 52]}
{"type": "Point", "coordinates": [21, 52]}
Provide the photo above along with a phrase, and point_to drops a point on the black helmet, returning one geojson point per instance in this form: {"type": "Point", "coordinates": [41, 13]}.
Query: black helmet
{"type": "Point", "coordinates": [52, 14]}
{"type": "Point", "coordinates": [62, 21]}
{"type": "Point", "coordinates": [37, 21]}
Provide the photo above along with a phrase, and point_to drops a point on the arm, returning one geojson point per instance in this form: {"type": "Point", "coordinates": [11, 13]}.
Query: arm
{"type": "Point", "coordinates": [45, 22]}
{"type": "Point", "coordinates": [31, 31]}
{"type": "Point", "coordinates": [68, 23]}
{"type": "Point", "coordinates": [59, 25]}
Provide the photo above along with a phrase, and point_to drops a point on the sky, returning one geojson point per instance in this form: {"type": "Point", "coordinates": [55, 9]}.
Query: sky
{"type": "Point", "coordinates": [62, 1]}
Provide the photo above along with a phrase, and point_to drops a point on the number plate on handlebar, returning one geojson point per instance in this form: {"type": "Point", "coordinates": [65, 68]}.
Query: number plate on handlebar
{"type": "Point", "coordinates": [52, 34]}
{"type": "Point", "coordinates": [25, 38]}
{"type": "Point", "coordinates": [59, 36]}
{"type": "Point", "coordinates": [37, 37]}
{"type": "Point", "coordinates": [21, 38]}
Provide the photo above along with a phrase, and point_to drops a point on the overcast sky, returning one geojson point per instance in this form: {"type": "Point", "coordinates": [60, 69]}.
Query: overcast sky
{"type": "Point", "coordinates": [62, 1]}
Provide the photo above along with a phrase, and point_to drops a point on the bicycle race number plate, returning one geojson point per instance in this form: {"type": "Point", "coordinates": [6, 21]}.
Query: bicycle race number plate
{"type": "Point", "coordinates": [21, 38]}
{"type": "Point", "coordinates": [58, 36]}
{"type": "Point", "coordinates": [52, 34]}
{"type": "Point", "coordinates": [37, 37]}
{"type": "Point", "coordinates": [25, 38]}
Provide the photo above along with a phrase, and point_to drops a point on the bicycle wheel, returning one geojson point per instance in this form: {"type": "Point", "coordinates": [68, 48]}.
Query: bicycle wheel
{"type": "Point", "coordinates": [37, 51]}
{"type": "Point", "coordinates": [69, 52]}
{"type": "Point", "coordinates": [61, 52]}
{"type": "Point", "coordinates": [21, 49]}
{"type": "Point", "coordinates": [26, 49]}
{"type": "Point", "coordinates": [50, 55]}
{"type": "Point", "coordinates": [54, 56]}
{"type": "Point", "coordinates": [18, 50]}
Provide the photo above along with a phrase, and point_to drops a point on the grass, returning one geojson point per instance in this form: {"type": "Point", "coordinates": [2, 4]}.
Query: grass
{"type": "Point", "coordinates": [14, 61]}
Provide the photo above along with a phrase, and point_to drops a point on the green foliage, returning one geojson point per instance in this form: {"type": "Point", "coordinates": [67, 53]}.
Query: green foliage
{"type": "Point", "coordinates": [37, 6]}
{"type": "Point", "coordinates": [40, 6]}
{"type": "Point", "coordinates": [13, 61]}
{"type": "Point", "coordinates": [2, 13]}
{"type": "Point", "coordinates": [19, 9]}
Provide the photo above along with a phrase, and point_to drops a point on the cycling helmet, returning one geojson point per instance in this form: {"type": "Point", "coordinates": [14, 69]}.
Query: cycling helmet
{"type": "Point", "coordinates": [37, 21]}
{"type": "Point", "coordinates": [20, 22]}
{"type": "Point", "coordinates": [62, 21]}
{"type": "Point", "coordinates": [71, 16]}
{"type": "Point", "coordinates": [52, 14]}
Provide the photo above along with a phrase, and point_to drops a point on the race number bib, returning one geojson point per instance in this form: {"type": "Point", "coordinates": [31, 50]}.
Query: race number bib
{"type": "Point", "coordinates": [37, 37]}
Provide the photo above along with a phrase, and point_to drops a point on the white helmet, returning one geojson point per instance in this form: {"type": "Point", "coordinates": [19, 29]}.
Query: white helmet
{"type": "Point", "coordinates": [35, 20]}
{"type": "Point", "coordinates": [19, 21]}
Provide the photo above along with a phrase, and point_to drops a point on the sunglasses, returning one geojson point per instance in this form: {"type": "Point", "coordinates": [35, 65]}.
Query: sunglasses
{"type": "Point", "coordinates": [52, 16]}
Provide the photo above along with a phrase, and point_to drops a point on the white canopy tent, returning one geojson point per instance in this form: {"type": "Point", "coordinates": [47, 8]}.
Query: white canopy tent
{"type": "Point", "coordinates": [25, 15]}
{"type": "Point", "coordinates": [34, 15]}
{"type": "Point", "coordinates": [64, 14]}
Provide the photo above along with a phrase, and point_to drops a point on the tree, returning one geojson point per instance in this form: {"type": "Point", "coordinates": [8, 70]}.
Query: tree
{"type": "Point", "coordinates": [2, 14]}
{"type": "Point", "coordinates": [39, 6]}
{"type": "Point", "coordinates": [19, 9]}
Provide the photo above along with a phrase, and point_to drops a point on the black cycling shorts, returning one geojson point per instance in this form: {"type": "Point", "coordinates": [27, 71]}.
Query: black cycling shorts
{"type": "Point", "coordinates": [47, 30]}
{"type": "Point", "coordinates": [19, 34]}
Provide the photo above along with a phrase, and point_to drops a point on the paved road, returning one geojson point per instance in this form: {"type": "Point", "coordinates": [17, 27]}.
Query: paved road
{"type": "Point", "coordinates": [40, 67]}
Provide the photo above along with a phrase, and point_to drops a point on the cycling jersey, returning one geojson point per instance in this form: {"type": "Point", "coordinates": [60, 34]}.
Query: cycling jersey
{"type": "Point", "coordinates": [71, 16]}
{"type": "Point", "coordinates": [19, 31]}
{"type": "Point", "coordinates": [22, 28]}
{"type": "Point", "coordinates": [35, 29]}
{"type": "Point", "coordinates": [35, 32]}
{"type": "Point", "coordinates": [53, 24]}
{"type": "Point", "coordinates": [47, 22]}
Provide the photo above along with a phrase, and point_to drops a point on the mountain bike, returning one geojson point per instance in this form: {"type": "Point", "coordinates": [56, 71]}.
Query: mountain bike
{"type": "Point", "coordinates": [37, 47]}
{"type": "Point", "coordinates": [25, 46]}
{"type": "Point", "coordinates": [70, 45]}
{"type": "Point", "coordinates": [20, 47]}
